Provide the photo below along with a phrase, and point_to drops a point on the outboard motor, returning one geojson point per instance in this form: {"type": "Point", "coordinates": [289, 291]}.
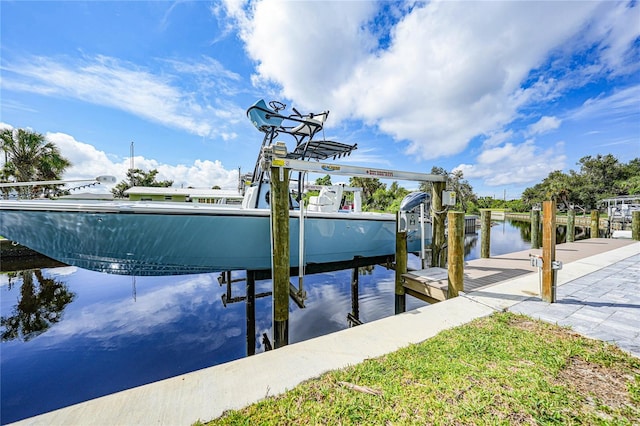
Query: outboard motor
{"type": "Point", "coordinates": [409, 210]}
{"type": "Point", "coordinates": [413, 200]}
{"type": "Point", "coordinates": [418, 231]}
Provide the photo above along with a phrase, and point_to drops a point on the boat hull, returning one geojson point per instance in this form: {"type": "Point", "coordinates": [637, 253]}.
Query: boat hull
{"type": "Point", "coordinates": [167, 239]}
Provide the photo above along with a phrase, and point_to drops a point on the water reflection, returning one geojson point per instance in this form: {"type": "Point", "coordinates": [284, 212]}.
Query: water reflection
{"type": "Point", "coordinates": [40, 305]}
{"type": "Point", "coordinates": [561, 231]}
{"type": "Point", "coordinates": [106, 333]}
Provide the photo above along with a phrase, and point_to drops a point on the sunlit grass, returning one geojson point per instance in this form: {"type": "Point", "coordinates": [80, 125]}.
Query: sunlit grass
{"type": "Point", "coordinates": [504, 369]}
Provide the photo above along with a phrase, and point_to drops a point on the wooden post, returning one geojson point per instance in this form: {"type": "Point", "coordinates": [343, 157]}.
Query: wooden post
{"type": "Point", "coordinates": [401, 268]}
{"type": "Point", "coordinates": [535, 229]}
{"type": "Point", "coordinates": [251, 313]}
{"type": "Point", "coordinates": [571, 225]}
{"type": "Point", "coordinates": [549, 252]}
{"type": "Point", "coordinates": [485, 234]}
{"type": "Point", "coordinates": [635, 225]}
{"type": "Point", "coordinates": [280, 256]}
{"type": "Point", "coordinates": [437, 243]}
{"type": "Point", "coordinates": [456, 253]}
{"type": "Point", "coordinates": [595, 223]}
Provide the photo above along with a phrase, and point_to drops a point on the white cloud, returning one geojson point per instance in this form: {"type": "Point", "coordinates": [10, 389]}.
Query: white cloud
{"type": "Point", "coordinates": [450, 71]}
{"type": "Point", "coordinates": [515, 164]}
{"type": "Point", "coordinates": [160, 97]}
{"type": "Point", "coordinates": [620, 105]}
{"type": "Point", "coordinates": [88, 162]}
{"type": "Point", "coordinates": [616, 30]}
{"type": "Point", "coordinates": [545, 124]}
{"type": "Point", "coordinates": [153, 305]}
{"type": "Point", "coordinates": [309, 48]}
{"type": "Point", "coordinates": [498, 138]}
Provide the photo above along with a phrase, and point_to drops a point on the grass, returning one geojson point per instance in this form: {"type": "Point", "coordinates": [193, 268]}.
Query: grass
{"type": "Point", "coordinates": [503, 369]}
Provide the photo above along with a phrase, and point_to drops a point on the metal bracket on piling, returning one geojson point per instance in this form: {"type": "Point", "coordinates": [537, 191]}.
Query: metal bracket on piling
{"type": "Point", "coordinates": [352, 320]}
{"type": "Point", "coordinates": [298, 296]}
{"type": "Point", "coordinates": [227, 298]}
{"type": "Point", "coordinates": [266, 342]}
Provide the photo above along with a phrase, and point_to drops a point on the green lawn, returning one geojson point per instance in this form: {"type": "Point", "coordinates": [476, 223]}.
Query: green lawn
{"type": "Point", "coordinates": [504, 369]}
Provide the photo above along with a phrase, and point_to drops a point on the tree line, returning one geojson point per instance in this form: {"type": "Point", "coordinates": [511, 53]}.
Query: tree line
{"type": "Point", "coordinates": [599, 177]}
{"type": "Point", "coordinates": [28, 156]}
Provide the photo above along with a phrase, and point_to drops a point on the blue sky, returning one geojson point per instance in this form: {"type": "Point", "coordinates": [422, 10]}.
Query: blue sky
{"type": "Point", "coordinates": [504, 91]}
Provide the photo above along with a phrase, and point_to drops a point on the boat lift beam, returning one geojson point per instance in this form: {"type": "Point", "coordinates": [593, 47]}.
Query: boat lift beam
{"type": "Point", "coordinates": [346, 170]}
{"type": "Point", "coordinates": [275, 158]}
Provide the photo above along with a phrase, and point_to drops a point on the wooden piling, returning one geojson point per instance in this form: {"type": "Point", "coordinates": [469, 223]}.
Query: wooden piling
{"type": "Point", "coordinates": [280, 256]}
{"type": "Point", "coordinates": [635, 225]}
{"type": "Point", "coordinates": [595, 223]}
{"type": "Point", "coordinates": [456, 253]}
{"type": "Point", "coordinates": [535, 229]}
{"type": "Point", "coordinates": [401, 268]}
{"type": "Point", "coordinates": [571, 225]}
{"type": "Point", "coordinates": [485, 234]}
{"type": "Point", "coordinates": [549, 252]}
{"type": "Point", "coordinates": [437, 242]}
{"type": "Point", "coordinates": [251, 313]}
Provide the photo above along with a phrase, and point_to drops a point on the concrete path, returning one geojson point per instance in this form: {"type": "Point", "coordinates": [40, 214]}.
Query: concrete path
{"type": "Point", "coordinates": [603, 305]}
{"type": "Point", "coordinates": [611, 277]}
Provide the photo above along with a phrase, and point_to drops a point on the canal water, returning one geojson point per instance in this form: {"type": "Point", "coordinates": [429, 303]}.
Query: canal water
{"type": "Point", "coordinates": [70, 335]}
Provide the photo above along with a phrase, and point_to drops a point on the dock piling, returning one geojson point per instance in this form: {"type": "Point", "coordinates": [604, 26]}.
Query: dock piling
{"type": "Point", "coordinates": [595, 223]}
{"type": "Point", "coordinates": [535, 228]}
{"type": "Point", "coordinates": [437, 242]}
{"type": "Point", "coordinates": [456, 253]}
{"type": "Point", "coordinates": [549, 252]}
{"type": "Point", "coordinates": [280, 254]}
{"type": "Point", "coordinates": [485, 234]}
{"type": "Point", "coordinates": [571, 225]}
{"type": "Point", "coordinates": [401, 268]}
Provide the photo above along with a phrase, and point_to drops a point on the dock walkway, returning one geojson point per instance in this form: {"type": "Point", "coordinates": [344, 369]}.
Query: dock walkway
{"type": "Point", "coordinates": [598, 294]}
{"type": "Point", "coordinates": [479, 273]}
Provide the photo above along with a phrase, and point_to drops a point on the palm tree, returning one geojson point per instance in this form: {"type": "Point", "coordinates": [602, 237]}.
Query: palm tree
{"type": "Point", "coordinates": [28, 156]}
{"type": "Point", "coordinates": [559, 187]}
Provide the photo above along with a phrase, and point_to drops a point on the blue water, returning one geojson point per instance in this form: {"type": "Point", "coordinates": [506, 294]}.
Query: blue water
{"type": "Point", "coordinates": [73, 335]}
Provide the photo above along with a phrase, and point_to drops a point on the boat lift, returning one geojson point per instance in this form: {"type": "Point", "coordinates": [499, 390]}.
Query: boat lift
{"type": "Point", "coordinates": [273, 158]}
{"type": "Point", "coordinates": [270, 166]}
{"type": "Point", "coordinates": [276, 161]}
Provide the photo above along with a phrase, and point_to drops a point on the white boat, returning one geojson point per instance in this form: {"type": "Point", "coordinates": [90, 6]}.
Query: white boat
{"type": "Point", "coordinates": [163, 238]}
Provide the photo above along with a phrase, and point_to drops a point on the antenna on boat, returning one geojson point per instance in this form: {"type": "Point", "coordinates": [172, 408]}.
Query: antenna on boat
{"type": "Point", "coordinates": [131, 157]}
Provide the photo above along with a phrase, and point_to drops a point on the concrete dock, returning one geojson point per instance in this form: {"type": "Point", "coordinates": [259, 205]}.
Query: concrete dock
{"type": "Point", "coordinates": [598, 294]}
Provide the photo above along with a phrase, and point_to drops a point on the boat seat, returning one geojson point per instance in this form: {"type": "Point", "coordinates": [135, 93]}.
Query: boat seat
{"type": "Point", "coordinates": [327, 201]}
{"type": "Point", "coordinates": [311, 124]}
{"type": "Point", "coordinates": [263, 117]}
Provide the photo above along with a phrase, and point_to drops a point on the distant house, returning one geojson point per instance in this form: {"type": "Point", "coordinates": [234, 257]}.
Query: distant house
{"type": "Point", "coordinates": [190, 195]}
{"type": "Point", "coordinates": [88, 196]}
